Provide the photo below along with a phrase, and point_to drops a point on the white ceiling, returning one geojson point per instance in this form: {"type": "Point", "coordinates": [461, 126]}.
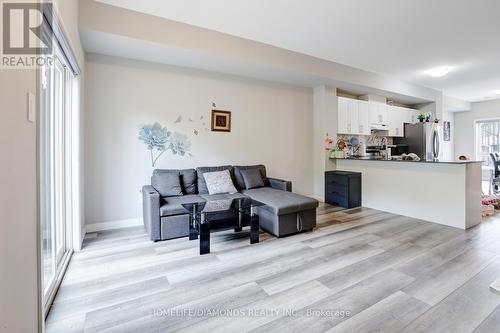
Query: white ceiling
{"type": "Point", "coordinates": [189, 61]}
{"type": "Point", "coordinates": [401, 38]}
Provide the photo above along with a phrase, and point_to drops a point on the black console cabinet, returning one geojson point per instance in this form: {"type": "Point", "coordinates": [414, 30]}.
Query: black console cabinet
{"type": "Point", "coordinates": [343, 188]}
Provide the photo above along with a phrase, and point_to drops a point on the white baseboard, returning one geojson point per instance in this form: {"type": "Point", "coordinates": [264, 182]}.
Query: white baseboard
{"type": "Point", "coordinates": [113, 225]}
{"type": "Point", "coordinates": [320, 198]}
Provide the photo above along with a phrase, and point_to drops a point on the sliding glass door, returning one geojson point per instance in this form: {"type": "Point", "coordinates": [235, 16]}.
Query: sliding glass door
{"type": "Point", "coordinates": [56, 172]}
{"type": "Point", "coordinates": [487, 140]}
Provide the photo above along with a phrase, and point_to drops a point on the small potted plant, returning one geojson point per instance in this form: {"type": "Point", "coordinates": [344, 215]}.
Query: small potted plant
{"type": "Point", "coordinates": [422, 117]}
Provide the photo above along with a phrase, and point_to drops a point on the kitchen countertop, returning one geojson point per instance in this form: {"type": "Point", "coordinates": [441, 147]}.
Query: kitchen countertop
{"type": "Point", "coordinates": [425, 190]}
{"type": "Point", "coordinates": [406, 161]}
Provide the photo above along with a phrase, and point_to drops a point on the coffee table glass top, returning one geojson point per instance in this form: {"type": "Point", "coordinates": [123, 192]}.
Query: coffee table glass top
{"type": "Point", "coordinates": [221, 205]}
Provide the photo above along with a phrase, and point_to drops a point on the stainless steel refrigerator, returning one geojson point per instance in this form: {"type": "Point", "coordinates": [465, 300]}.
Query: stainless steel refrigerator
{"type": "Point", "coordinates": [423, 139]}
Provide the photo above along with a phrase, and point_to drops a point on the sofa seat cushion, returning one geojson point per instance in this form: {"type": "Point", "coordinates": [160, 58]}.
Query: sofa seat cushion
{"type": "Point", "coordinates": [281, 202]}
{"type": "Point", "coordinates": [173, 205]}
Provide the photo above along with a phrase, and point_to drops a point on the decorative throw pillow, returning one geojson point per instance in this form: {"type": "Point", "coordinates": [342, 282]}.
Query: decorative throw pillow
{"type": "Point", "coordinates": [219, 182]}
{"type": "Point", "coordinates": [252, 178]}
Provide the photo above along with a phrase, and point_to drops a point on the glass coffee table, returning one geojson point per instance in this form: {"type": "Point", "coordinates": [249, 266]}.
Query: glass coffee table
{"type": "Point", "coordinates": [210, 216]}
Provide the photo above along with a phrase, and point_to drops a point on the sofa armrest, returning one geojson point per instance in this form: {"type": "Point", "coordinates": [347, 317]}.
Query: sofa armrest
{"type": "Point", "coordinates": [280, 184]}
{"type": "Point", "coordinates": [151, 211]}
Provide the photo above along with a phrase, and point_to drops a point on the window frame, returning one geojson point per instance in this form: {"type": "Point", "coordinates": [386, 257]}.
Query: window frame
{"type": "Point", "coordinates": [476, 136]}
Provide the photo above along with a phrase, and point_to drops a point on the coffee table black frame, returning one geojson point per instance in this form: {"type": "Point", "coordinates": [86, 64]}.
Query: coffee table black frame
{"type": "Point", "coordinates": [202, 221]}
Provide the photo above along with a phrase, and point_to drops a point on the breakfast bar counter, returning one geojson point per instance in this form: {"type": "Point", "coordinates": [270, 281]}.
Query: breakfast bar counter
{"type": "Point", "coordinates": [444, 192]}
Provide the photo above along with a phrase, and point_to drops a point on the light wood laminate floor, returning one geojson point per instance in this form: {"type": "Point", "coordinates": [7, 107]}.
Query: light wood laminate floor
{"type": "Point", "coordinates": [360, 270]}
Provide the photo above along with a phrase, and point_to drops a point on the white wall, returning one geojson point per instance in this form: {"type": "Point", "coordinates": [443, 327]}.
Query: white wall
{"type": "Point", "coordinates": [464, 125]}
{"type": "Point", "coordinates": [449, 146]}
{"type": "Point", "coordinates": [325, 122]}
{"type": "Point", "coordinates": [271, 124]}
{"type": "Point", "coordinates": [19, 311]}
{"type": "Point", "coordinates": [450, 107]}
{"type": "Point", "coordinates": [452, 104]}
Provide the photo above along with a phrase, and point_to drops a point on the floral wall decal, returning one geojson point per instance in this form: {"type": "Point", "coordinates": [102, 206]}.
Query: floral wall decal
{"type": "Point", "coordinates": [159, 139]}
{"type": "Point", "coordinates": [179, 144]}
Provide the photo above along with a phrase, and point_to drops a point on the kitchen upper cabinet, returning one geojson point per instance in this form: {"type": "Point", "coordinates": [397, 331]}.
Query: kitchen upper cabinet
{"type": "Point", "coordinates": [348, 120]}
{"type": "Point", "coordinates": [378, 113]}
{"type": "Point", "coordinates": [364, 118]}
{"type": "Point", "coordinates": [343, 118]}
{"type": "Point", "coordinates": [353, 117]}
{"type": "Point", "coordinates": [397, 116]}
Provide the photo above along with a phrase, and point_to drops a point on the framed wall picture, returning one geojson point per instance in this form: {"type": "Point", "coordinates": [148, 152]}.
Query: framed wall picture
{"type": "Point", "coordinates": [446, 130]}
{"type": "Point", "coordinates": [221, 121]}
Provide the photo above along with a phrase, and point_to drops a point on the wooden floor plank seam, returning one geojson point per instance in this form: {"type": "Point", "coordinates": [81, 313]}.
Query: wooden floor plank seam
{"type": "Point", "coordinates": [396, 273]}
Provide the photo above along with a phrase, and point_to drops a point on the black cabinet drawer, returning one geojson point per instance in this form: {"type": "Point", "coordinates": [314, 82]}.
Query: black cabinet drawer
{"type": "Point", "coordinates": [343, 188]}
{"type": "Point", "coordinates": [339, 179]}
{"type": "Point", "coordinates": [336, 199]}
{"type": "Point", "coordinates": [334, 183]}
{"type": "Point", "coordinates": [343, 194]}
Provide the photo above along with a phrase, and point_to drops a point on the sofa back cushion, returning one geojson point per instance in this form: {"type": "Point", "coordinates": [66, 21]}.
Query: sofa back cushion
{"type": "Point", "coordinates": [189, 181]}
{"type": "Point", "coordinates": [167, 182]}
{"type": "Point", "coordinates": [202, 186]}
{"type": "Point", "coordinates": [240, 182]}
{"type": "Point", "coordinates": [252, 178]}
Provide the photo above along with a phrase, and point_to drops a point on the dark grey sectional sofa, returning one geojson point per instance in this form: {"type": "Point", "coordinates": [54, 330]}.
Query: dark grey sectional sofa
{"type": "Point", "coordinates": [284, 212]}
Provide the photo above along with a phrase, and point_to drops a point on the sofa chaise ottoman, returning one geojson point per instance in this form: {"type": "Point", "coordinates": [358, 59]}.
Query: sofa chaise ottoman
{"type": "Point", "coordinates": [284, 213]}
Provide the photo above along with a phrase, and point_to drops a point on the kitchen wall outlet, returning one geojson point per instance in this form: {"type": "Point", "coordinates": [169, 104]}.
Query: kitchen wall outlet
{"type": "Point", "coordinates": [31, 108]}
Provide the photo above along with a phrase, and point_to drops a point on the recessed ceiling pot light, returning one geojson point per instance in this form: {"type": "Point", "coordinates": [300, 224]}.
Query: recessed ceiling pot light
{"type": "Point", "coordinates": [439, 71]}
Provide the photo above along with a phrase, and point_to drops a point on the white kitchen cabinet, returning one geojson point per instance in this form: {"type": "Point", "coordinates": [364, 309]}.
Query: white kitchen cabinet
{"type": "Point", "coordinates": [378, 113]}
{"type": "Point", "coordinates": [408, 116]}
{"type": "Point", "coordinates": [364, 118]}
{"type": "Point", "coordinates": [397, 116]}
{"type": "Point", "coordinates": [348, 119]}
{"type": "Point", "coordinates": [343, 116]}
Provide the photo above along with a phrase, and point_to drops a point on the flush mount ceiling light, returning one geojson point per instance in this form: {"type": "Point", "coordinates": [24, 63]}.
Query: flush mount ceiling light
{"type": "Point", "coordinates": [439, 71]}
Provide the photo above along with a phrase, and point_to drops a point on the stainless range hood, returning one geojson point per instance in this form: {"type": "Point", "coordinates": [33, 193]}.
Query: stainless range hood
{"type": "Point", "coordinates": [379, 127]}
